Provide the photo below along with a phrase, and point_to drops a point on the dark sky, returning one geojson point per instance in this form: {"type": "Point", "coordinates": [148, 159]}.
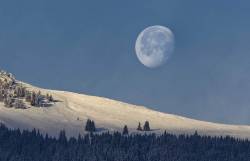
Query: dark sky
{"type": "Point", "coordinates": [87, 46]}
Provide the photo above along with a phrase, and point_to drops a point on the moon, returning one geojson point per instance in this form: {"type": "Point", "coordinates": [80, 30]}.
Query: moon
{"type": "Point", "coordinates": [154, 46]}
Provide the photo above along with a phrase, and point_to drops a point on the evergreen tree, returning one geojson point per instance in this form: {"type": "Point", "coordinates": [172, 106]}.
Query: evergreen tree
{"type": "Point", "coordinates": [17, 145]}
{"type": "Point", "coordinates": [62, 137]}
{"type": "Point", "coordinates": [8, 101]}
{"type": "Point", "coordinates": [139, 127]}
{"type": "Point", "coordinates": [27, 96]}
{"type": "Point", "coordinates": [49, 98]}
{"type": "Point", "coordinates": [93, 129]}
{"type": "Point", "coordinates": [33, 99]}
{"type": "Point", "coordinates": [125, 130]}
{"type": "Point", "coordinates": [90, 126]}
{"type": "Point", "coordinates": [36, 99]}
{"type": "Point", "coordinates": [1, 94]}
{"type": "Point", "coordinates": [146, 126]}
{"type": "Point", "coordinates": [19, 91]}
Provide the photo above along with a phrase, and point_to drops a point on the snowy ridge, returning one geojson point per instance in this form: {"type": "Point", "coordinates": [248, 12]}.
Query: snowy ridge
{"type": "Point", "coordinates": [72, 110]}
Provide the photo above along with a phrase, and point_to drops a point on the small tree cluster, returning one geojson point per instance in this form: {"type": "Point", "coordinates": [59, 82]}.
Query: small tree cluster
{"type": "Point", "coordinates": [19, 91]}
{"type": "Point", "coordinates": [18, 103]}
{"type": "Point", "coordinates": [90, 126]}
{"type": "Point", "coordinates": [27, 96]}
{"type": "Point", "coordinates": [8, 101]}
{"type": "Point", "coordinates": [146, 127]}
{"type": "Point", "coordinates": [49, 98]}
{"type": "Point", "coordinates": [37, 99]}
{"type": "Point", "coordinates": [13, 94]}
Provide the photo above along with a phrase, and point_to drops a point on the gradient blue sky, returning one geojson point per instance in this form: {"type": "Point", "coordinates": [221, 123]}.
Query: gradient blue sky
{"type": "Point", "coordinates": [87, 46]}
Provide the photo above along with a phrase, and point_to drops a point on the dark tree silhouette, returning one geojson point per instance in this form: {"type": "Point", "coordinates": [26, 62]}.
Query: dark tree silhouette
{"type": "Point", "coordinates": [90, 126]}
{"type": "Point", "coordinates": [125, 130]}
{"type": "Point", "coordinates": [146, 126]}
{"type": "Point", "coordinates": [139, 127]}
{"type": "Point", "coordinates": [23, 145]}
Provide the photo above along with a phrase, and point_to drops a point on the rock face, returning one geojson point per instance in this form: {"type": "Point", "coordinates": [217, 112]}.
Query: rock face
{"type": "Point", "coordinates": [71, 112]}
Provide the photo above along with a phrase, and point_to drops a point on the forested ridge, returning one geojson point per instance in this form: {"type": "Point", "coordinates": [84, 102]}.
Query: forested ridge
{"type": "Point", "coordinates": [16, 145]}
{"type": "Point", "coordinates": [14, 94]}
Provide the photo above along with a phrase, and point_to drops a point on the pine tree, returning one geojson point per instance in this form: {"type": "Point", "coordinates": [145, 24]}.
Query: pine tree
{"type": "Point", "coordinates": [139, 127]}
{"type": "Point", "coordinates": [1, 94]}
{"type": "Point", "coordinates": [93, 129]}
{"type": "Point", "coordinates": [19, 91]}
{"type": "Point", "coordinates": [27, 96]}
{"type": "Point", "coordinates": [125, 130]}
{"type": "Point", "coordinates": [49, 98]}
{"type": "Point", "coordinates": [33, 99]}
{"type": "Point", "coordinates": [38, 99]}
{"type": "Point", "coordinates": [146, 126]}
{"type": "Point", "coordinates": [90, 126]}
{"type": "Point", "coordinates": [62, 137]}
{"type": "Point", "coordinates": [87, 126]}
{"type": "Point", "coordinates": [8, 101]}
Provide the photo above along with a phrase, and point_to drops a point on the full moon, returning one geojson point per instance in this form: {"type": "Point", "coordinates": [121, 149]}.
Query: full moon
{"type": "Point", "coordinates": [154, 46]}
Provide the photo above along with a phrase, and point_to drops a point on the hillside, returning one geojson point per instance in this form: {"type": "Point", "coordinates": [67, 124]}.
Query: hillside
{"type": "Point", "coordinates": [71, 110]}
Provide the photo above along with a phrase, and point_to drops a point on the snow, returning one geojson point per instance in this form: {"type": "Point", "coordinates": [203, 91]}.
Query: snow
{"type": "Point", "coordinates": [109, 115]}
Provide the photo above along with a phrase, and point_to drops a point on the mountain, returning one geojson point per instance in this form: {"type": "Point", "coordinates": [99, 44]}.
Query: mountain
{"type": "Point", "coordinates": [70, 111]}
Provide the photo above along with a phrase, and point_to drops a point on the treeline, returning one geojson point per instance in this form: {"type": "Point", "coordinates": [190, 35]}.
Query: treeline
{"type": "Point", "coordinates": [33, 146]}
{"type": "Point", "coordinates": [90, 127]}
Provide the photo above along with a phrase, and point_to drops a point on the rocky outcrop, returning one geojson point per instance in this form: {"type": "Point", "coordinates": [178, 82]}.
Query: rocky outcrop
{"type": "Point", "coordinates": [15, 94]}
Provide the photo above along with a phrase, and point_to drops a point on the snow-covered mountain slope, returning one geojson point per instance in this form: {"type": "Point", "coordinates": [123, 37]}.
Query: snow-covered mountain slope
{"type": "Point", "coordinates": [72, 110]}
